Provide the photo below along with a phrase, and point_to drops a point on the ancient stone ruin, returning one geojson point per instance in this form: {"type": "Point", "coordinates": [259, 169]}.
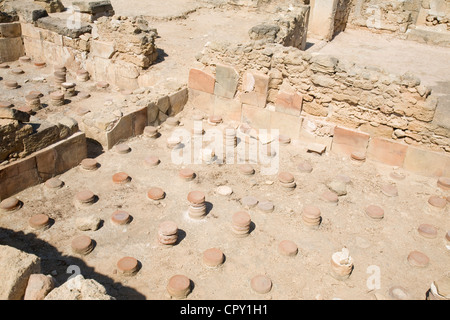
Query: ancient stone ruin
{"type": "Point", "coordinates": [224, 149]}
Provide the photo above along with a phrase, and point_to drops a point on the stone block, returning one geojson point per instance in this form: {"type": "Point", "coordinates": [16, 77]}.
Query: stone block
{"type": "Point", "coordinates": [51, 36]}
{"type": "Point", "coordinates": [60, 26]}
{"type": "Point", "coordinates": [17, 268]}
{"type": "Point", "coordinates": [253, 98]}
{"type": "Point", "coordinates": [140, 121]}
{"type": "Point", "coordinates": [10, 30]}
{"type": "Point", "coordinates": [427, 163]}
{"type": "Point", "coordinates": [152, 113]}
{"type": "Point", "coordinates": [177, 101]}
{"type": "Point", "coordinates": [163, 104]}
{"type": "Point", "coordinates": [102, 49]}
{"type": "Point", "coordinates": [321, 22]}
{"type": "Point", "coordinates": [121, 131]}
{"type": "Point", "coordinates": [380, 130]}
{"type": "Point", "coordinates": [255, 81]}
{"type": "Point", "coordinates": [33, 48]}
{"type": "Point", "coordinates": [387, 151]}
{"type": "Point", "coordinates": [39, 285]}
{"type": "Point", "coordinates": [289, 102]}
{"type": "Point", "coordinates": [11, 49]}
{"type": "Point", "coordinates": [227, 79]}
{"type": "Point", "coordinates": [61, 156]}
{"type": "Point", "coordinates": [346, 141]}
{"type": "Point", "coordinates": [14, 114]}
{"type": "Point", "coordinates": [256, 117]}
{"type": "Point", "coordinates": [228, 109]}
{"type": "Point", "coordinates": [201, 81]}
{"type": "Point", "coordinates": [286, 124]}
{"type": "Point", "coordinates": [30, 31]}
{"type": "Point", "coordinates": [18, 176]}
{"type": "Point", "coordinates": [44, 134]}
{"type": "Point", "coordinates": [79, 288]}
{"type": "Point", "coordinates": [202, 101]}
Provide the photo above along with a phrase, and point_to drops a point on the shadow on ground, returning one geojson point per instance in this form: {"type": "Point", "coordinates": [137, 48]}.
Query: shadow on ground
{"type": "Point", "coordinates": [52, 259]}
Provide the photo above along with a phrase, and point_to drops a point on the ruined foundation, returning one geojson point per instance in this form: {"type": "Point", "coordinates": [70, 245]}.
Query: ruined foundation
{"type": "Point", "coordinates": [286, 146]}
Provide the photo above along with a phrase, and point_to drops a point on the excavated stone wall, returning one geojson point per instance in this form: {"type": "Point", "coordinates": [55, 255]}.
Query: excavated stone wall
{"type": "Point", "coordinates": [304, 95]}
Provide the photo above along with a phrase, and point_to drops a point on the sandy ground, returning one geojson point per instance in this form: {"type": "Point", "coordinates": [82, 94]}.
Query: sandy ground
{"type": "Point", "coordinates": [385, 244]}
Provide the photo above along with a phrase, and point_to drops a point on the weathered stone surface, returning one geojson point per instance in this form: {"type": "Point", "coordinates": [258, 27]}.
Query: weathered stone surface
{"type": "Point", "coordinates": [324, 64]}
{"type": "Point", "coordinates": [202, 81]}
{"type": "Point", "coordinates": [10, 30]}
{"type": "Point", "coordinates": [227, 80]}
{"type": "Point", "coordinates": [427, 163]}
{"type": "Point", "coordinates": [387, 151]}
{"type": "Point", "coordinates": [289, 102]}
{"type": "Point", "coordinates": [12, 133]}
{"type": "Point", "coordinates": [51, 6]}
{"type": "Point", "coordinates": [11, 49]}
{"type": "Point", "coordinates": [93, 7]}
{"type": "Point", "coordinates": [16, 266]}
{"type": "Point", "coordinates": [264, 31]}
{"type": "Point", "coordinates": [177, 101]}
{"type": "Point", "coordinates": [14, 114]}
{"type": "Point", "coordinates": [60, 26]}
{"type": "Point", "coordinates": [44, 134]}
{"type": "Point", "coordinates": [228, 109]}
{"type": "Point", "coordinates": [29, 12]}
{"type": "Point", "coordinates": [61, 156]}
{"type": "Point", "coordinates": [17, 176]}
{"type": "Point", "coordinates": [346, 141]}
{"type": "Point", "coordinates": [88, 223]}
{"type": "Point", "coordinates": [102, 49]}
{"type": "Point", "coordinates": [79, 288]}
{"type": "Point", "coordinates": [39, 285]}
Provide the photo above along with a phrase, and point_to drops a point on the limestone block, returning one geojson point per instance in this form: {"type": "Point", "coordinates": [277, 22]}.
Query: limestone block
{"type": "Point", "coordinates": [14, 114]}
{"type": "Point", "coordinates": [18, 176]}
{"type": "Point", "coordinates": [152, 113]}
{"type": "Point", "coordinates": [286, 124]}
{"type": "Point", "coordinates": [346, 141]}
{"type": "Point", "coordinates": [177, 101]}
{"type": "Point", "coordinates": [427, 163]}
{"type": "Point", "coordinates": [29, 30]}
{"type": "Point", "coordinates": [17, 267]}
{"type": "Point", "coordinates": [227, 79]}
{"type": "Point", "coordinates": [201, 81]}
{"type": "Point", "coordinates": [10, 30]}
{"type": "Point", "coordinates": [387, 151]}
{"type": "Point", "coordinates": [39, 285]}
{"type": "Point", "coordinates": [121, 131]}
{"type": "Point", "coordinates": [255, 116]}
{"type": "Point", "coordinates": [201, 100]}
{"type": "Point", "coordinates": [61, 156]}
{"type": "Point", "coordinates": [51, 6]}
{"type": "Point", "coordinates": [44, 134]}
{"type": "Point", "coordinates": [228, 109]}
{"type": "Point", "coordinates": [60, 26]}
{"type": "Point", "coordinates": [163, 104]}
{"type": "Point", "coordinates": [11, 49]}
{"type": "Point", "coordinates": [102, 49]}
{"type": "Point", "coordinates": [79, 288]}
{"type": "Point", "coordinates": [289, 102]}
{"type": "Point", "coordinates": [321, 22]}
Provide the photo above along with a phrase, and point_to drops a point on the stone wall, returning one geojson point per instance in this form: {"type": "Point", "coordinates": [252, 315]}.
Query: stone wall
{"type": "Point", "coordinates": [288, 29]}
{"type": "Point", "coordinates": [307, 96]}
{"type": "Point", "coordinates": [11, 46]}
{"type": "Point", "coordinates": [387, 15]}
